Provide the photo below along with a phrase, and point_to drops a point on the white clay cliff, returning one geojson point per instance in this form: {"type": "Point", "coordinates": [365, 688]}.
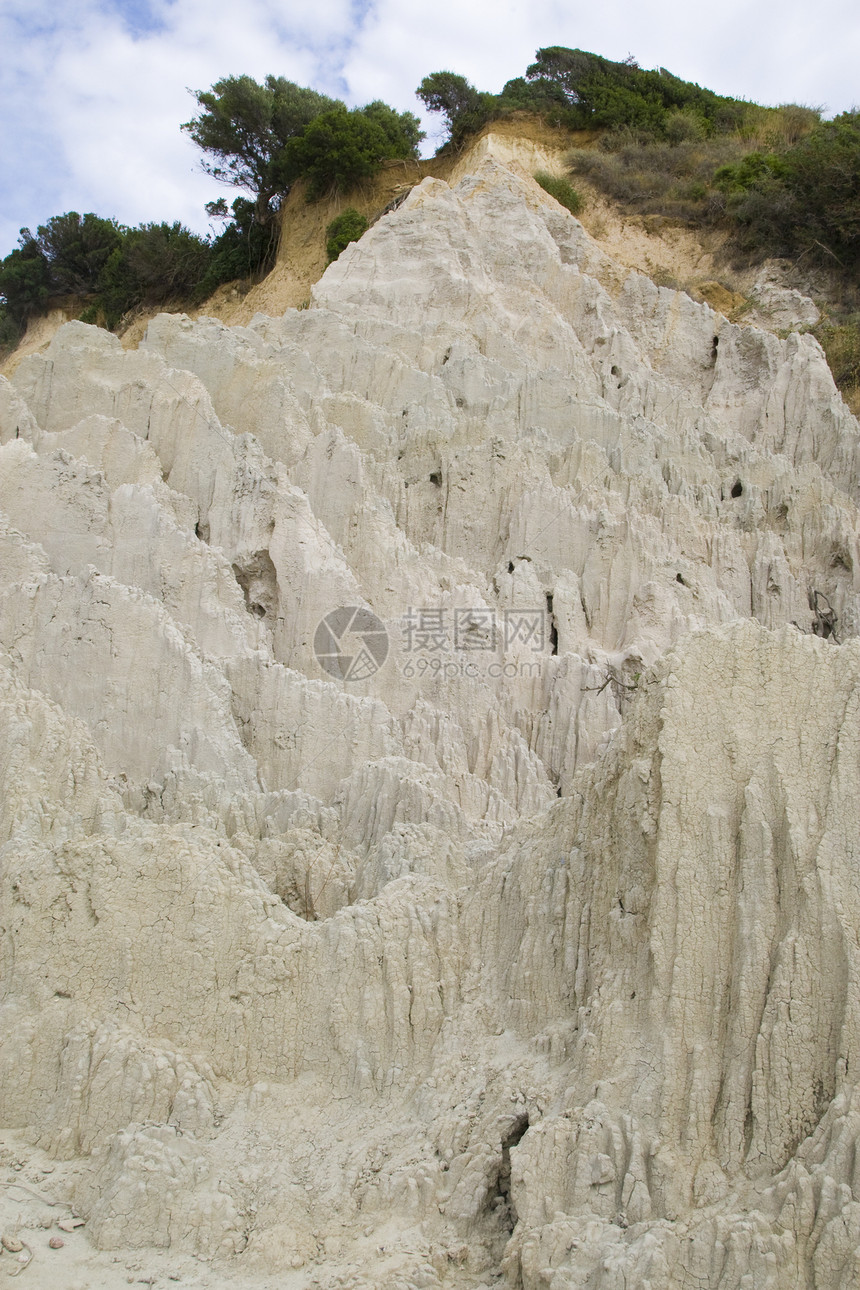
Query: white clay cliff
{"type": "Point", "coordinates": [523, 959]}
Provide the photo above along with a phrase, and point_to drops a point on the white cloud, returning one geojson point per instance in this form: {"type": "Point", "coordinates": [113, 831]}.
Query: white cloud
{"type": "Point", "coordinates": [92, 96]}
{"type": "Point", "coordinates": [91, 111]}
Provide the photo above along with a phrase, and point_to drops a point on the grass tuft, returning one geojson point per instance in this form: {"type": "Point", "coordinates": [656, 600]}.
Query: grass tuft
{"type": "Point", "coordinates": [563, 191]}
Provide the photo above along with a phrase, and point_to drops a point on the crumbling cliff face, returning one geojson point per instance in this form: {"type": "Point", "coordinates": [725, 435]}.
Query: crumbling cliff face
{"type": "Point", "coordinates": [431, 777]}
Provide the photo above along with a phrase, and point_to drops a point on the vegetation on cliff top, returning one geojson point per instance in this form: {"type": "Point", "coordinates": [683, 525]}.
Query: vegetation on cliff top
{"type": "Point", "coordinates": [262, 138]}
{"type": "Point", "coordinates": [780, 181]}
{"type": "Point", "coordinates": [783, 181]}
{"type": "Point", "coordinates": [582, 91]}
{"type": "Point", "coordinates": [258, 138]}
{"type": "Point", "coordinates": [110, 269]}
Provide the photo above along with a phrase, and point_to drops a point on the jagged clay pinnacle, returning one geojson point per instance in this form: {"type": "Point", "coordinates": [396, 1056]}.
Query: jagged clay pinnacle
{"type": "Point", "coordinates": [430, 760]}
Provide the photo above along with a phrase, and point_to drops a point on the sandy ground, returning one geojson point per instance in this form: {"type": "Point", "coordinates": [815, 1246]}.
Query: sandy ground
{"type": "Point", "coordinates": [33, 1210]}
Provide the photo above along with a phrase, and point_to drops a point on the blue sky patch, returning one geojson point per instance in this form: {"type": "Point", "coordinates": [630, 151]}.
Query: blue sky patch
{"type": "Point", "coordinates": [140, 16]}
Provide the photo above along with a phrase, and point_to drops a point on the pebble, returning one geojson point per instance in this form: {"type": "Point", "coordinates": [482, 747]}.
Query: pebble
{"type": "Point", "coordinates": [12, 1244]}
{"type": "Point", "coordinates": [56, 1243]}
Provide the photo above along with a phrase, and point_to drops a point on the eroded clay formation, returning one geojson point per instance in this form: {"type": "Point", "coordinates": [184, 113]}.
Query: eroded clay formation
{"type": "Point", "coordinates": [528, 958]}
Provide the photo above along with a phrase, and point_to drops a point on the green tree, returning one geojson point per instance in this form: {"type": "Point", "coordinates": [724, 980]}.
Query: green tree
{"type": "Point", "coordinates": [538, 95]}
{"type": "Point", "coordinates": [153, 264]}
{"type": "Point", "coordinates": [244, 128]}
{"type": "Point", "coordinates": [244, 249]}
{"type": "Point", "coordinates": [617, 95]}
{"type": "Point", "coordinates": [464, 108]}
{"type": "Point", "coordinates": [77, 248]}
{"type": "Point", "coordinates": [340, 148]}
{"type": "Point", "coordinates": [401, 129]}
{"type": "Point", "coordinates": [822, 174]}
{"type": "Point", "coordinates": [25, 283]}
{"type": "Point", "coordinates": [566, 68]}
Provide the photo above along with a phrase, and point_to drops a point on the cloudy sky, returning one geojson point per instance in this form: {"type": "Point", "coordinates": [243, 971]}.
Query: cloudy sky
{"type": "Point", "coordinates": [92, 92]}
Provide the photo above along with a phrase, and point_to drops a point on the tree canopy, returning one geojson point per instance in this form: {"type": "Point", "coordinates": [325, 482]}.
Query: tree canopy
{"type": "Point", "coordinates": [111, 267]}
{"type": "Point", "coordinates": [339, 148]}
{"type": "Point", "coordinates": [244, 127]}
{"type": "Point", "coordinates": [25, 285]}
{"type": "Point", "coordinates": [665, 140]}
{"type": "Point", "coordinates": [76, 247]}
{"type": "Point", "coordinates": [259, 138]}
{"type": "Point", "coordinates": [580, 90]}
{"type": "Point", "coordinates": [263, 137]}
{"type": "Point", "coordinates": [611, 95]}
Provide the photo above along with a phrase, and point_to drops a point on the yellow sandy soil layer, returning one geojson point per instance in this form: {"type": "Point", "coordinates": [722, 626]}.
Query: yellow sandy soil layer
{"type": "Point", "coordinates": [671, 254]}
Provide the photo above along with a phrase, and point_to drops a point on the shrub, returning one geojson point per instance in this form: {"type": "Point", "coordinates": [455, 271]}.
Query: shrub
{"type": "Point", "coordinates": [754, 168]}
{"type": "Point", "coordinates": [804, 200]}
{"type": "Point", "coordinates": [25, 283]}
{"type": "Point", "coordinates": [790, 122]}
{"type": "Point", "coordinates": [244, 250]}
{"type": "Point", "coordinates": [77, 249]}
{"type": "Point", "coordinates": [115, 269]}
{"type": "Point", "coordinates": [656, 178]}
{"type": "Point", "coordinates": [563, 192]}
{"type": "Point", "coordinates": [622, 137]}
{"type": "Point", "coordinates": [340, 148]}
{"type": "Point", "coordinates": [165, 259]}
{"type": "Point", "coordinates": [660, 178]}
{"type": "Point", "coordinates": [10, 331]}
{"type": "Point", "coordinates": [684, 126]}
{"type": "Point", "coordinates": [841, 344]}
{"type": "Point", "coordinates": [110, 267]}
{"type": "Point", "coordinates": [153, 264]}
{"type": "Point", "coordinates": [610, 95]}
{"type": "Point", "coordinates": [346, 227]}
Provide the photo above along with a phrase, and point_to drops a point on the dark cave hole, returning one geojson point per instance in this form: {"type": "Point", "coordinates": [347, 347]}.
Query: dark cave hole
{"type": "Point", "coordinates": [499, 1197]}
{"type": "Point", "coordinates": [737, 489]}
{"type": "Point", "coordinates": [553, 630]}
{"type": "Point", "coordinates": [258, 578]}
{"type": "Point", "coordinates": [436, 478]}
